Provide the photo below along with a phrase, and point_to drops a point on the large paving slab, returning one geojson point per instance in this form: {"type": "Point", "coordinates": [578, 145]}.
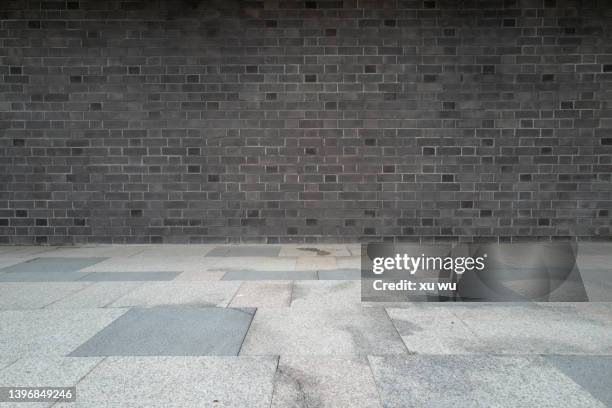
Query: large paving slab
{"type": "Point", "coordinates": [15, 296]}
{"type": "Point", "coordinates": [47, 332]}
{"type": "Point", "coordinates": [51, 264]}
{"type": "Point", "coordinates": [309, 381]}
{"type": "Point", "coordinates": [210, 293]}
{"type": "Point", "coordinates": [246, 275]}
{"type": "Point", "coordinates": [97, 251]}
{"type": "Point", "coordinates": [339, 274]}
{"type": "Point", "coordinates": [47, 371]}
{"type": "Point", "coordinates": [228, 382]}
{"type": "Point", "coordinates": [593, 373]}
{"type": "Point", "coordinates": [310, 263]}
{"type": "Point", "coordinates": [140, 263]}
{"type": "Point", "coordinates": [263, 294]}
{"type": "Point", "coordinates": [171, 331]}
{"type": "Point", "coordinates": [130, 276]}
{"type": "Point", "coordinates": [99, 294]}
{"type": "Point", "coordinates": [314, 250]}
{"type": "Point", "coordinates": [244, 250]}
{"type": "Point", "coordinates": [512, 328]}
{"type": "Point", "coordinates": [320, 331]}
{"type": "Point", "coordinates": [475, 381]}
{"type": "Point", "coordinates": [262, 263]}
{"type": "Point", "coordinates": [326, 294]}
{"type": "Point", "coordinates": [48, 269]}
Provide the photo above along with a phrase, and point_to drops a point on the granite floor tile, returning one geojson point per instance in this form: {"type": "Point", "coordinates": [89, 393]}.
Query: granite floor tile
{"type": "Point", "coordinates": [228, 382]}
{"type": "Point", "coordinates": [308, 381]}
{"type": "Point", "coordinates": [51, 265]}
{"type": "Point", "coordinates": [319, 331]}
{"type": "Point", "coordinates": [474, 381]}
{"type": "Point", "coordinates": [15, 296]}
{"type": "Point", "coordinates": [339, 274]}
{"type": "Point", "coordinates": [591, 372]}
{"type": "Point", "coordinates": [99, 294]}
{"type": "Point", "coordinates": [248, 275]}
{"type": "Point", "coordinates": [210, 293]}
{"type": "Point", "coordinates": [244, 250]}
{"type": "Point", "coordinates": [50, 332]}
{"type": "Point", "coordinates": [171, 331]}
{"type": "Point", "coordinates": [130, 276]}
{"type": "Point", "coordinates": [263, 294]}
{"type": "Point", "coordinates": [310, 263]}
{"type": "Point", "coordinates": [326, 294]}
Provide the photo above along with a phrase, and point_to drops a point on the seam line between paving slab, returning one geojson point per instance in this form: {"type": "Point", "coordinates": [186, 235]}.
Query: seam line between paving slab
{"type": "Point", "coordinates": [274, 382]}
{"type": "Point", "coordinates": [246, 332]}
{"type": "Point", "coordinates": [102, 359]}
{"type": "Point", "coordinates": [107, 306]}
{"type": "Point", "coordinates": [232, 299]}
{"type": "Point", "coordinates": [380, 400]}
{"type": "Point", "coordinates": [408, 352]}
{"type": "Point", "coordinates": [70, 294]}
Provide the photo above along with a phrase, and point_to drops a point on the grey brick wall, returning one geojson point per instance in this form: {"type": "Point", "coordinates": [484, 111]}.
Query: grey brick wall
{"type": "Point", "coordinates": [304, 121]}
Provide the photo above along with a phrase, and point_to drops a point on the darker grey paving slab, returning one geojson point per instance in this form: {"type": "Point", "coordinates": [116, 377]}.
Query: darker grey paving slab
{"type": "Point", "coordinates": [52, 264]}
{"type": "Point", "coordinates": [270, 275]}
{"type": "Point", "coordinates": [593, 373]}
{"type": "Point", "coordinates": [129, 276]}
{"type": "Point", "coordinates": [239, 250]}
{"type": "Point", "coordinates": [339, 274]}
{"type": "Point", "coordinates": [171, 331]}
{"type": "Point", "coordinates": [42, 276]}
{"type": "Point", "coordinates": [54, 269]}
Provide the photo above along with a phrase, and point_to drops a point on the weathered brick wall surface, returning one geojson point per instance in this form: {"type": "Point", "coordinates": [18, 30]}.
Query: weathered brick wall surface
{"type": "Point", "coordinates": [304, 121]}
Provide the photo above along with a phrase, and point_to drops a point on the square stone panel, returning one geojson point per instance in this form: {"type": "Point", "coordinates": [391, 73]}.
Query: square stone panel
{"type": "Point", "coordinates": [98, 294]}
{"type": "Point", "coordinates": [244, 250]}
{"type": "Point", "coordinates": [321, 331]}
{"type": "Point", "coordinates": [171, 331]}
{"type": "Point", "coordinates": [47, 371]}
{"type": "Point", "coordinates": [263, 294]}
{"type": "Point", "coordinates": [247, 275]}
{"type": "Point", "coordinates": [227, 382]}
{"type": "Point", "coordinates": [339, 274]}
{"type": "Point", "coordinates": [32, 295]}
{"type": "Point", "coordinates": [309, 381]}
{"type": "Point", "coordinates": [593, 373]}
{"type": "Point", "coordinates": [474, 381]}
{"type": "Point", "coordinates": [46, 332]}
{"type": "Point", "coordinates": [51, 269]}
{"type": "Point", "coordinates": [129, 276]}
{"type": "Point", "coordinates": [184, 293]}
{"type": "Point", "coordinates": [52, 264]}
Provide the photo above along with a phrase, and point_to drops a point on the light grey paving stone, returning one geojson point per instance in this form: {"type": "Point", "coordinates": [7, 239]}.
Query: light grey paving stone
{"type": "Point", "coordinates": [308, 381]}
{"type": "Point", "coordinates": [47, 371]}
{"type": "Point", "coordinates": [349, 262]}
{"type": "Point", "coordinates": [263, 294]}
{"type": "Point", "coordinates": [339, 274]}
{"type": "Point", "coordinates": [54, 276]}
{"type": "Point", "coordinates": [593, 373]}
{"type": "Point", "coordinates": [245, 275]}
{"type": "Point", "coordinates": [99, 294]}
{"type": "Point", "coordinates": [320, 331]}
{"type": "Point", "coordinates": [171, 331]}
{"type": "Point", "coordinates": [209, 293]}
{"type": "Point", "coordinates": [169, 250]}
{"type": "Point", "coordinates": [262, 263]}
{"type": "Point", "coordinates": [140, 263]}
{"type": "Point", "coordinates": [129, 276]}
{"type": "Point", "coordinates": [326, 294]}
{"type": "Point", "coordinates": [46, 332]}
{"type": "Point", "coordinates": [25, 251]}
{"type": "Point", "coordinates": [204, 275]}
{"type": "Point", "coordinates": [529, 328]}
{"type": "Point", "coordinates": [474, 381]}
{"type": "Point", "coordinates": [15, 296]}
{"type": "Point", "coordinates": [594, 248]}
{"type": "Point", "coordinates": [314, 263]}
{"type": "Point", "coordinates": [431, 329]}
{"type": "Point", "coordinates": [97, 251]}
{"type": "Point", "coordinates": [228, 382]}
{"type": "Point", "coordinates": [51, 265]}
{"type": "Point", "coordinates": [314, 250]}
{"type": "Point", "coordinates": [513, 328]}
{"type": "Point", "coordinates": [595, 261]}
{"type": "Point", "coordinates": [244, 250]}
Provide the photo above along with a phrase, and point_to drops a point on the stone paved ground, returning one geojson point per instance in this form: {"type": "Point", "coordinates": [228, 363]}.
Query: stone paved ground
{"type": "Point", "coordinates": [283, 326]}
